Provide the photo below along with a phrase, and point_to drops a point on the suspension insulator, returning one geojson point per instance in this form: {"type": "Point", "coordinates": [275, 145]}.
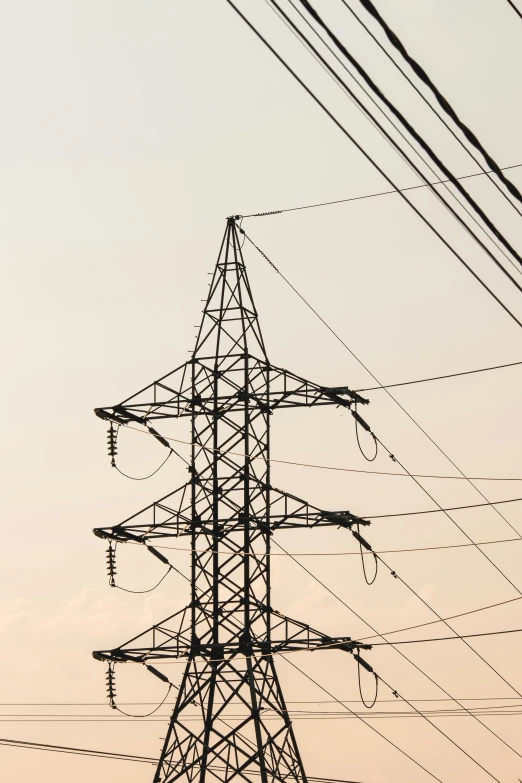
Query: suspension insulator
{"type": "Point", "coordinates": [111, 685]}
{"type": "Point", "coordinates": [111, 564]}
{"type": "Point", "coordinates": [112, 437]}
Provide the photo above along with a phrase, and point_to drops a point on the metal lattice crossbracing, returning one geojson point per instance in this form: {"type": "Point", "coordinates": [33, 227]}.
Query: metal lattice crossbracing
{"type": "Point", "coordinates": [230, 721]}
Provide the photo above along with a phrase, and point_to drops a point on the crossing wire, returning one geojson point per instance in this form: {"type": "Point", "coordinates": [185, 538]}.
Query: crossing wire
{"type": "Point", "coordinates": [443, 102]}
{"type": "Point", "coordinates": [502, 710]}
{"type": "Point", "coordinates": [462, 477]}
{"type": "Point", "coordinates": [26, 745]}
{"type": "Point", "coordinates": [373, 162]}
{"type": "Point", "coordinates": [423, 625]}
{"type": "Point", "coordinates": [345, 345]}
{"type": "Point", "coordinates": [339, 554]}
{"type": "Point", "coordinates": [322, 701]}
{"type": "Point", "coordinates": [432, 108]}
{"type": "Point", "coordinates": [301, 37]}
{"type": "Point", "coordinates": [344, 706]}
{"type": "Point", "coordinates": [403, 655]}
{"type": "Point", "coordinates": [451, 638]}
{"type": "Point", "coordinates": [408, 127]}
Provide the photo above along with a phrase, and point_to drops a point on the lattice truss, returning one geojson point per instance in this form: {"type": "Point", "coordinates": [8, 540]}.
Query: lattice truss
{"type": "Point", "coordinates": [228, 510]}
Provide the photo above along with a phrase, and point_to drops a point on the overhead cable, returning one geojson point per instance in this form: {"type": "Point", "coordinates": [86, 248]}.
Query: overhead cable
{"type": "Point", "coordinates": [515, 9]}
{"type": "Point", "coordinates": [351, 470]}
{"type": "Point", "coordinates": [444, 103]}
{"type": "Point", "coordinates": [287, 701]}
{"type": "Point", "coordinates": [116, 756]}
{"type": "Point", "coordinates": [459, 527]}
{"type": "Point", "coordinates": [421, 625]}
{"type": "Point", "coordinates": [440, 377]}
{"type": "Point", "coordinates": [365, 721]}
{"type": "Point", "coordinates": [388, 392]}
{"type": "Point", "coordinates": [440, 731]}
{"type": "Point", "coordinates": [369, 195]}
{"type": "Point", "coordinates": [449, 638]}
{"type": "Point", "coordinates": [446, 623]}
{"type": "Point", "coordinates": [409, 128]}
{"type": "Point", "coordinates": [76, 751]}
{"type": "Point", "coordinates": [462, 477]}
{"type": "Point", "coordinates": [389, 139]}
{"type": "Point", "coordinates": [345, 554]}
{"type": "Point", "coordinates": [401, 653]}
{"type": "Point", "coordinates": [432, 108]}
{"type": "Point", "coordinates": [376, 166]}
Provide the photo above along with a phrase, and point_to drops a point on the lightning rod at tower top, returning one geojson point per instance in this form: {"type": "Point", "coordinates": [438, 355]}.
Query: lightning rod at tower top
{"type": "Point", "coordinates": [229, 631]}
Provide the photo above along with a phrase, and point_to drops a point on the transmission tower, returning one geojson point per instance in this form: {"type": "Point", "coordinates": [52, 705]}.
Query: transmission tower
{"type": "Point", "coordinates": [228, 510]}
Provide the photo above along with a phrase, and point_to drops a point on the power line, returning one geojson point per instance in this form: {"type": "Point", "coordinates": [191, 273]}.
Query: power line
{"type": "Point", "coordinates": [370, 195]}
{"type": "Point", "coordinates": [373, 162]}
{"type": "Point", "coordinates": [339, 554]}
{"type": "Point", "coordinates": [443, 102]}
{"type": "Point", "coordinates": [402, 654]}
{"type": "Point", "coordinates": [515, 9]}
{"type": "Point", "coordinates": [450, 638]}
{"type": "Point", "coordinates": [459, 636]}
{"type": "Point", "coordinates": [393, 744]}
{"type": "Point", "coordinates": [439, 377]}
{"type": "Point", "coordinates": [389, 139]}
{"type": "Point", "coordinates": [438, 510]}
{"type": "Point", "coordinates": [504, 710]}
{"type": "Point", "coordinates": [76, 751]}
{"type": "Point", "coordinates": [462, 477]}
{"type": "Point", "coordinates": [419, 625]}
{"type": "Point", "coordinates": [500, 571]}
{"type": "Point", "coordinates": [393, 121]}
{"type": "Point", "coordinates": [23, 744]}
{"type": "Point", "coordinates": [431, 107]}
{"type": "Point", "coordinates": [408, 127]}
{"type": "Point", "coordinates": [453, 742]}
{"type": "Point", "coordinates": [345, 345]}
{"type": "Point", "coordinates": [287, 701]}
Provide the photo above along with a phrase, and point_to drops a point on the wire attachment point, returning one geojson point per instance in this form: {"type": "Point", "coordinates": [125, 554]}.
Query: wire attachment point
{"type": "Point", "coordinates": [359, 420]}
{"type": "Point", "coordinates": [112, 437]}
{"type": "Point", "coordinates": [111, 685]}
{"type": "Point", "coordinates": [111, 563]}
{"type": "Point", "coordinates": [362, 662]}
{"type": "Point", "coordinates": [363, 543]}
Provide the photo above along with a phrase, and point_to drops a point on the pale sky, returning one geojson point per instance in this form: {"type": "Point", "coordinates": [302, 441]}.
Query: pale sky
{"type": "Point", "coordinates": [130, 131]}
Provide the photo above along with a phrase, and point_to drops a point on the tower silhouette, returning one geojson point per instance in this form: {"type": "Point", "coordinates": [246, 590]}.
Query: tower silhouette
{"type": "Point", "coordinates": [230, 721]}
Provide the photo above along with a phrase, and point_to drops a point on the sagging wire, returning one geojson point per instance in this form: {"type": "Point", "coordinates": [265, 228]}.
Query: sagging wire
{"type": "Point", "coordinates": [141, 592]}
{"type": "Point", "coordinates": [359, 420]}
{"type": "Point", "coordinates": [365, 665]}
{"type": "Point", "coordinates": [112, 442]}
{"type": "Point", "coordinates": [111, 690]}
{"type": "Point", "coordinates": [363, 543]}
{"type": "Point", "coordinates": [111, 569]}
{"type": "Point", "coordinates": [144, 478]}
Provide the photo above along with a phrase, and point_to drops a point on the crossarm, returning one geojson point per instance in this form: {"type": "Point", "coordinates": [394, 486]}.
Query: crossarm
{"type": "Point", "coordinates": [289, 511]}
{"type": "Point", "coordinates": [172, 638]}
{"type": "Point", "coordinates": [290, 635]}
{"type": "Point", "coordinates": [170, 397]}
{"type": "Point", "coordinates": [169, 516]}
{"type": "Point", "coordinates": [288, 390]}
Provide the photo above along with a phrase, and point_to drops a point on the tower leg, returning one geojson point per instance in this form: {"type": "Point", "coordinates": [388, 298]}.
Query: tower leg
{"type": "Point", "coordinates": [230, 722]}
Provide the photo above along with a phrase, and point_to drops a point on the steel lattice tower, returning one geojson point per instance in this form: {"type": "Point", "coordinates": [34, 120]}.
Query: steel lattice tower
{"type": "Point", "coordinates": [229, 632]}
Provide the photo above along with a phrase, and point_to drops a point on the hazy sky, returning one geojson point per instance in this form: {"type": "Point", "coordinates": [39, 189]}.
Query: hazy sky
{"type": "Point", "coordinates": [130, 131]}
